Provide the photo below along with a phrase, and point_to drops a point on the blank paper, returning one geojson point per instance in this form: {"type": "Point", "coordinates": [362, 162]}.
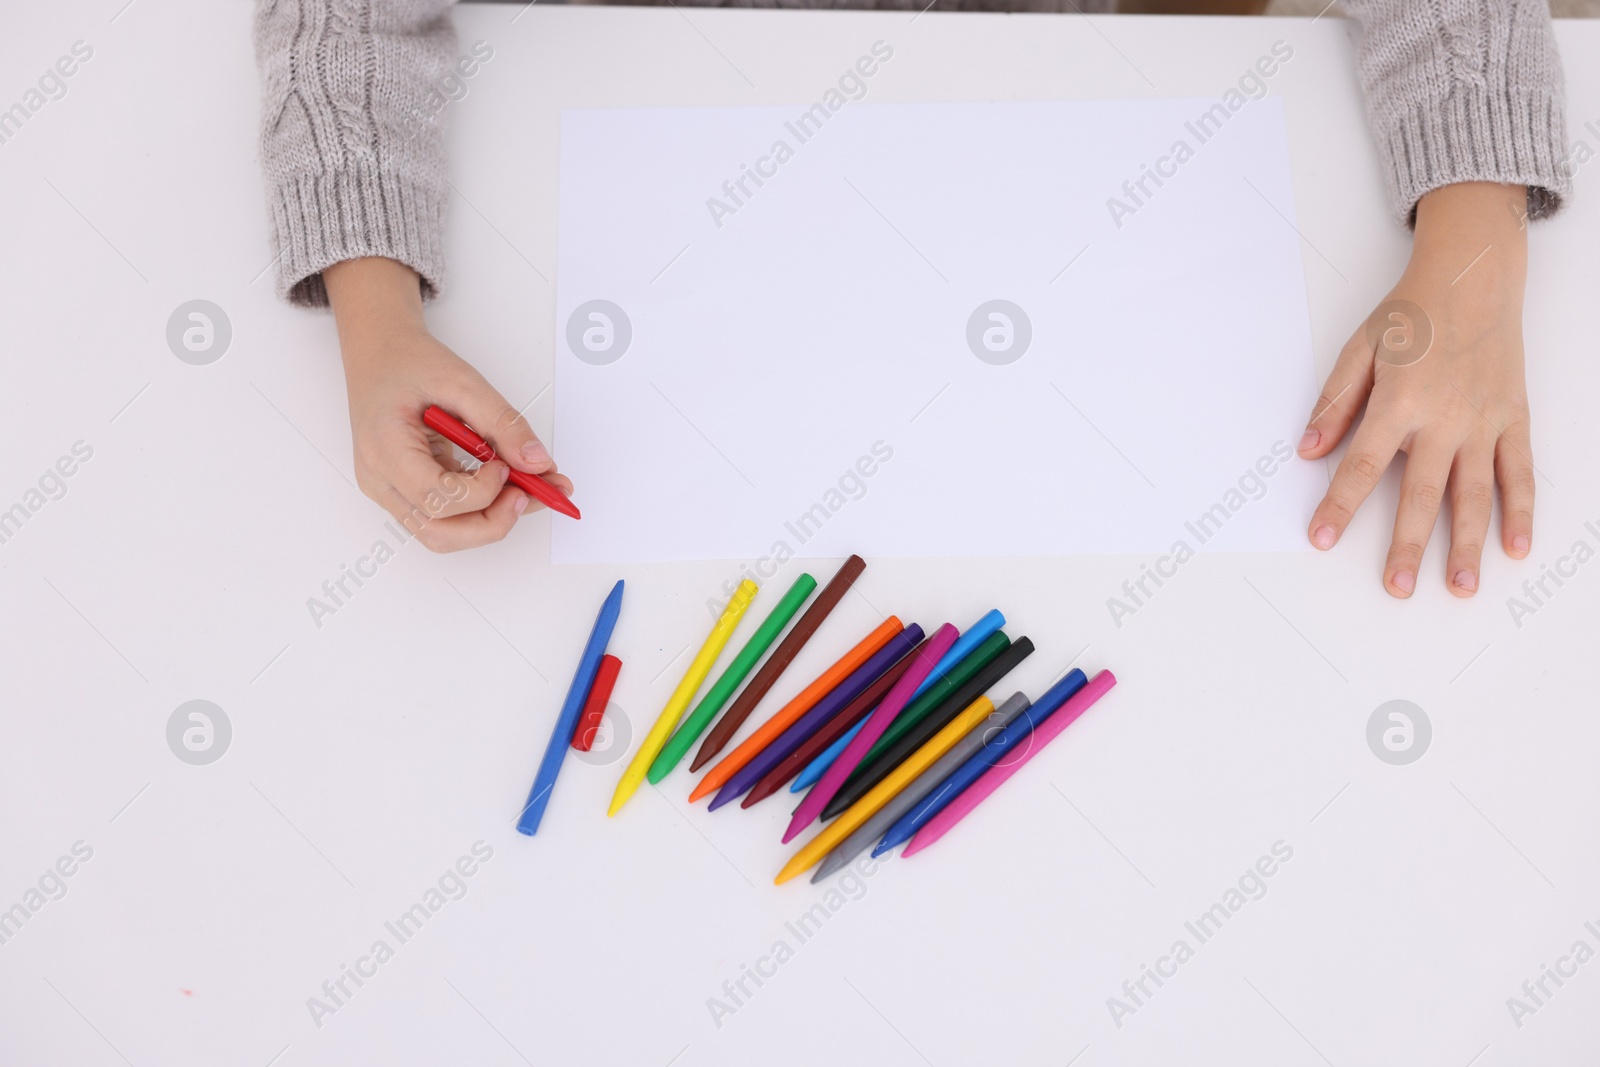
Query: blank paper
{"type": "Point", "coordinates": [952, 329]}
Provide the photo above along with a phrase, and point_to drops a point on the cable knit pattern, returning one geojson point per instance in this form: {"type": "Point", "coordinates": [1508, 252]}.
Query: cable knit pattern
{"type": "Point", "coordinates": [1457, 90]}
{"type": "Point", "coordinates": [353, 164]}
{"type": "Point", "coordinates": [1462, 91]}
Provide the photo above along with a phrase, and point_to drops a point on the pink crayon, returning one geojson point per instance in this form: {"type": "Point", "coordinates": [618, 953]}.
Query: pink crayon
{"type": "Point", "coordinates": [995, 776]}
{"type": "Point", "coordinates": [868, 735]}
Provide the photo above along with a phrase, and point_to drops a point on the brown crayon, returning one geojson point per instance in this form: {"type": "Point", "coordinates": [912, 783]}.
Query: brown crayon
{"type": "Point", "coordinates": [778, 662]}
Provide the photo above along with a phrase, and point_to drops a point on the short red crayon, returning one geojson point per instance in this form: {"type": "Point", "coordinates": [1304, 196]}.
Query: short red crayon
{"type": "Point", "coordinates": [594, 709]}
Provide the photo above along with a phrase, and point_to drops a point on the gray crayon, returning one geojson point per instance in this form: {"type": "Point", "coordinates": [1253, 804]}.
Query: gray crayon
{"type": "Point", "coordinates": [920, 786]}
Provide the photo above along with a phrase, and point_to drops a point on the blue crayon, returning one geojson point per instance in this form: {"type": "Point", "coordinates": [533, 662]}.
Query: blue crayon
{"type": "Point", "coordinates": [567, 721]}
{"type": "Point", "coordinates": [819, 766]}
{"type": "Point", "coordinates": [991, 753]}
{"type": "Point", "coordinates": [971, 639]}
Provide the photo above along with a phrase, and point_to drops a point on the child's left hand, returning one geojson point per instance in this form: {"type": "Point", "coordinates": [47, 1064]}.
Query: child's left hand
{"type": "Point", "coordinates": [1439, 368]}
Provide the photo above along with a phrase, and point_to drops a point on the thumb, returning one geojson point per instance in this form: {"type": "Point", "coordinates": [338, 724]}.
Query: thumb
{"type": "Point", "coordinates": [1343, 394]}
{"type": "Point", "coordinates": [482, 407]}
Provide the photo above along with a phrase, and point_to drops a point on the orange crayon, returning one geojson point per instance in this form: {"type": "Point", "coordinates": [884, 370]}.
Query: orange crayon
{"type": "Point", "coordinates": [792, 711]}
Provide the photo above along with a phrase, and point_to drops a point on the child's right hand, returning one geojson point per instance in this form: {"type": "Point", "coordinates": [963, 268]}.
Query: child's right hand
{"type": "Point", "coordinates": [394, 369]}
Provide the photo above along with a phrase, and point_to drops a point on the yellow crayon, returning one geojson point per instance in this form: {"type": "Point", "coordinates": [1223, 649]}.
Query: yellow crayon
{"type": "Point", "coordinates": [693, 679]}
{"type": "Point", "coordinates": [880, 794]}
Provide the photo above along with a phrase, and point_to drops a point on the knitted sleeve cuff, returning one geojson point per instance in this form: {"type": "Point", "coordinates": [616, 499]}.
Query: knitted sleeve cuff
{"type": "Point", "coordinates": [1478, 134]}
{"type": "Point", "coordinates": [322, 219]}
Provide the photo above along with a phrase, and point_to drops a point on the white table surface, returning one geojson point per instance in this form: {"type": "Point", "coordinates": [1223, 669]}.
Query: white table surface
{"type": "Point", "coordinates": [369, 754]}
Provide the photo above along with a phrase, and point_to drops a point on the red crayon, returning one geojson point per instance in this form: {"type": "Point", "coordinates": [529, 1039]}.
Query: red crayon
{"type": "Point", "coordinates": [460, 434]}
{"type": "Point", "coordinates": [594, 709]}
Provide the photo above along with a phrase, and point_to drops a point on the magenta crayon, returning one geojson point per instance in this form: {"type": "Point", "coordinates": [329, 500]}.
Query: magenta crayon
{"type": "Point", "coordinates": [997, 775]}
{"type": "Point", "coordinates": [876, 724]}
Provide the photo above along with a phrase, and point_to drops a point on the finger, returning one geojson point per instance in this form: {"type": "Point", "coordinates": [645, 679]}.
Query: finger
{"type": "Point", "coordinates": [1421, 492]}
{"type": "Point", "coordinates": [444, 453]}
{"type": "Point", "coordinates": [1471, 503]}
{"type": "Point", "coordinates": [1342, 396]}
{"type": "Point", "coordinates": [1371, 451]}
{"type": "Point", "coordinates": [482, 407]}
{"type": "Point", "coordinates": [457, 532]}
{"type": "Point", "coordinates": [1513, 465]}
{"type": "Point", "coordinates": [438, 490]}
{"type": "Point", "coordinates": [560, 481]}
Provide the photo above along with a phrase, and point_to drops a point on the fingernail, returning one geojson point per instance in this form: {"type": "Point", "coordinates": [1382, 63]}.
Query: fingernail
{"type": "Point", "coordinates": [505, 472]}
{"type": "Point", "coordinates": [534, 452]}
{"type": "Point", "coordinates": [1519, 543]}
{"type": "Point", "coordinates": [519, 505]}
{"type": "Point", "coordinates": [1309, 439]}
{"type": "Point", "coordinates": [1324, 537]}
{"type": "Point", "coordinates": [1404, 581]}
{"type": "Point", "coordinates": [1466, 580]}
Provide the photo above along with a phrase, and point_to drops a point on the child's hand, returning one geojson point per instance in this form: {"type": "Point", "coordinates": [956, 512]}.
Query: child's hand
{"type": "Point", "coordinates": [394, 369]}
{"type": "Point", "coordinates": [1460, 411]}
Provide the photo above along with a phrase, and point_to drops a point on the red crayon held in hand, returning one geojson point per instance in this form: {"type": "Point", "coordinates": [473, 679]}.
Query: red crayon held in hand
{"type": "Point", "coordinates": [460, 434]}
{"type": "Point", "coordinates": [594, 709]}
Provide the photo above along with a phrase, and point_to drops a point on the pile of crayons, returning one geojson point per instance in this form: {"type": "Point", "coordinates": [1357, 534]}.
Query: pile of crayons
{"type": "Point", "coordinates": [896, 741]}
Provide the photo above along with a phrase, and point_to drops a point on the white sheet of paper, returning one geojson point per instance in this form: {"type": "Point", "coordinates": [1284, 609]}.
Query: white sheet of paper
{"type": "Point", "coordinates": [797, 376]}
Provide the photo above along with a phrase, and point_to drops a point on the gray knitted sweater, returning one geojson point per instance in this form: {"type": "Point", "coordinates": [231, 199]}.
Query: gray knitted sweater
{"type": "Point", "coordinates": [1457, 90]}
